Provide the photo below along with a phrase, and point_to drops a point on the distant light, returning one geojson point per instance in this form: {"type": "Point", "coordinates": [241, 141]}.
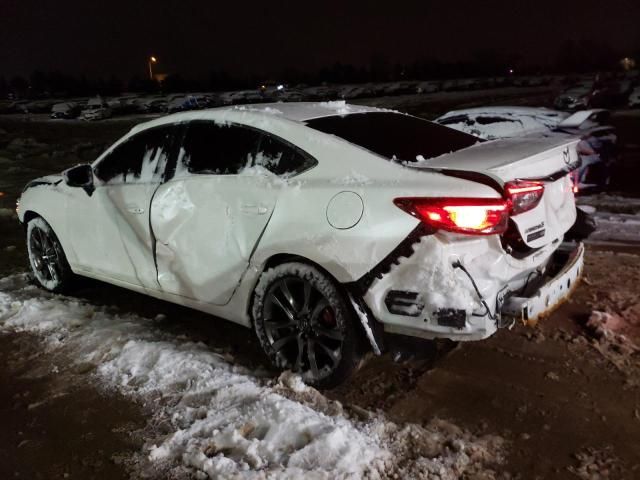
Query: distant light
{"type": "Point", "coordinates": [628, 63]}
{"type": "Point", "coordinates": [1, 194]}
{"type": "Point", "coordinates": [511, 71]}
{"type": "Point", "coordinates": [280, 87]}
{"type": "Point", "coordinates": [153, 59]}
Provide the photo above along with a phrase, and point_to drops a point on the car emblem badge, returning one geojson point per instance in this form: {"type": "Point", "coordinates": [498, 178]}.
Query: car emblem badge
{"type": "Point", "coordinates": [566, 156]}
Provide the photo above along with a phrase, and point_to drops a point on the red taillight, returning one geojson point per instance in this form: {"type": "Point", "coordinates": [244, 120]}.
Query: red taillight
{"type": "Point", "coordinates": [524, 195]}
{"type": "Point", "coordinates": [479, 216]}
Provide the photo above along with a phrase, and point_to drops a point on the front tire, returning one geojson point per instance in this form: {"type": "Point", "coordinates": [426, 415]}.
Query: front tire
{"type": "Point", "coordinates": [305, 324]}
{"type": "Point", "coordinates": [46, 257]}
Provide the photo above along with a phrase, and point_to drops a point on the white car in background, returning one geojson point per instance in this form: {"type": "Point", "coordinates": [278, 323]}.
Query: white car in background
{"type": "Point", "coordinates": [322, 226]}
{"type": "Point", "coordinates": [598, 140]}
{"type": "Point", "coordinates": [96, 109]}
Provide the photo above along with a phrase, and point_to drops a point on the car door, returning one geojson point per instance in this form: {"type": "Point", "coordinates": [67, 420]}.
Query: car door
{"type": "Point", "coordinates": [111, 232]}
{"type": "Point", "coordinates": [208, 219]}
{"type": "Point", "coordinates": [132, 196]}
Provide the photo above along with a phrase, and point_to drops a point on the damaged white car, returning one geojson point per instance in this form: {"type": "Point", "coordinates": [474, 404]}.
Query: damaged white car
{"type": "Point", "coordinates": [322, 226]}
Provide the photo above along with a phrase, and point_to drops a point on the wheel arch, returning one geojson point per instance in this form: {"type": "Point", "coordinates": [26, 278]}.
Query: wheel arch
{"type": "Point", "coordinates": [28, 216]}
{"type": "Point", "coordinates": [282, 258]}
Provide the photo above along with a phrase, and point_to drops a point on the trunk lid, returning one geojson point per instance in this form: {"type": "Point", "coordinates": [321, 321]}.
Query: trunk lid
{"type": "Point", "coordinates": [548, 160]}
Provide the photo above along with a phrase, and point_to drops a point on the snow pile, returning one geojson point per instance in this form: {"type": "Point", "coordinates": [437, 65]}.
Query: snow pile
{"type": "Point", "coordinates": [339, 107]}
{"type": "Point", "coordinates": [221, 420]}
{"type": "Point", "coordinates": [428, 269]}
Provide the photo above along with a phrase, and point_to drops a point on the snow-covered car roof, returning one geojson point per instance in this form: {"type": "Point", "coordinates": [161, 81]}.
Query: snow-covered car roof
{"type": "Point", "coordinates": [502, 122]}
{"type": "Point", "coordinates": [294, 111]}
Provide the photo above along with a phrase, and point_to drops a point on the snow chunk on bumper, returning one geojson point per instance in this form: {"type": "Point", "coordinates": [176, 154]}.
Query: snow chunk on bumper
{"type": "Point", "coordinates": [429, 272]}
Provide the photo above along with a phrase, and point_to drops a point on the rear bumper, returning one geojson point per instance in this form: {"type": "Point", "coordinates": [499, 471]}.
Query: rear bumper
{"type": "Point", "coordinates": [568, 262]}
{"type": "Point", "coordinates": [465, 289]}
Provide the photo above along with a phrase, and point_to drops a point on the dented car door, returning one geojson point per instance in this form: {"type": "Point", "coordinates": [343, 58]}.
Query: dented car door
{"type": "Point", "coordinates": [209, 217]}
{"type": "Point", "coordinates": [121, 243]}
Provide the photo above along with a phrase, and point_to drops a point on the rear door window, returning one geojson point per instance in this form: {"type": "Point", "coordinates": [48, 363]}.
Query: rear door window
{"type": "Point", "coordinates": [282, 158]}
{"type": "Point", "coordinates": [214, 148]}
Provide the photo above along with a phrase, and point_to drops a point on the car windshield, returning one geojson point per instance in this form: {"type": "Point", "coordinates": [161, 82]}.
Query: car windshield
{"type": "Point", "coordinates": [395, 136]}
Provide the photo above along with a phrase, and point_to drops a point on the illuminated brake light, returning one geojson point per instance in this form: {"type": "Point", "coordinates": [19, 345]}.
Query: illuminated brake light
{"type": "Point", "coordinates": [477, 216]}
{"type": "Point", "coordinates": [523, 195]}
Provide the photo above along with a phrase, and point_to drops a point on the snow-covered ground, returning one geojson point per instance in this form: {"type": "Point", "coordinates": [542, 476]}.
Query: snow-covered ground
{"type": "Point", "coordinates": [617, 219]}
{"type": "Point", "coordinates": [226, 421]}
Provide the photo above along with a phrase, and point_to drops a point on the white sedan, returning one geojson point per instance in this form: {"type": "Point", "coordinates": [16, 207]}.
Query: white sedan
{"type": "Point", "coordinates": [324, 227]}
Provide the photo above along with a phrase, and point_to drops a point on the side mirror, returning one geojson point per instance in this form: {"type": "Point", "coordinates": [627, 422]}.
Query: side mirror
{"type": "Point", "coordinates": [80, 176]}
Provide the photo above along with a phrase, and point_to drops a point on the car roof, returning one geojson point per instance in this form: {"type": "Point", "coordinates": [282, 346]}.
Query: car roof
{"type": "Point", "coordinates": [293, 111]}
{"type": "Point", "coordinates": [505, 110]}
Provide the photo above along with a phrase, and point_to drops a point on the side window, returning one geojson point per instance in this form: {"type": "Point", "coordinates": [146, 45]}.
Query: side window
{"type": "Point", "coordinates": [282, 159]}
{"type": "Point", "coordinates": [215, 148]}
{"type": "Point", "coordinates": [142, 158]}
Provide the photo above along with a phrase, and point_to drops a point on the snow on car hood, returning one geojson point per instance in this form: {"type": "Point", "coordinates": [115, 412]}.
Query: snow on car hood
{"type": "Point", "coordinates": [224, 420]}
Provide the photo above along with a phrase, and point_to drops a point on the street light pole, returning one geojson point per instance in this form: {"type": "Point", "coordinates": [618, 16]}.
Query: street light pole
{"type": "Point", "coordinates": [151, 61]}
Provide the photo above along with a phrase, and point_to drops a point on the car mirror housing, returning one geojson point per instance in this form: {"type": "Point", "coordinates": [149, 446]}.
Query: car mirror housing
{"type": "Point", "coordinates": [80, 176]}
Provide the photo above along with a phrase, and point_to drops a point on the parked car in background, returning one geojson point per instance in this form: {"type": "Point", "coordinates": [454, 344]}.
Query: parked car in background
{"type": "Point", "coordinates": [152, 105]}
{"type": "Point", "coordinates": [321, 92]}
{"type": "Point", "coordinates": [428, 87]}
{"type": "Point", "coordinates": [575, 97]}
{"type": "Point", "coordinates": [599, 93]}
{"type": "Point", "coordinates": [123, 104]}
{"type": "Point", "coordinates": [96, 109]}
{"type": "Point", "coordinates": [347, 222]}
{"type": "Point", "coordinates": [598, 141]}
{"type": "Point", "coordinates": [39, 106]}
{"type": "Point", "coordinates": [65, 110]}
{"type": "Point", "coordinates": [183, 103]}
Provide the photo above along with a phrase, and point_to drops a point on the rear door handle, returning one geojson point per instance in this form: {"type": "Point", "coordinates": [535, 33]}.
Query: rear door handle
{"type": "Point", "coordinates": [135, 209]}
{"type": "Point", "coordinates": [253, 209]}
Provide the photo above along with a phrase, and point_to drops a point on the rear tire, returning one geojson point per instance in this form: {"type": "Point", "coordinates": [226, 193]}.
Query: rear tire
{"type": "Point", "coordinates": [305, 324]}
{"type": "Point", "coordinates": [46, 257]}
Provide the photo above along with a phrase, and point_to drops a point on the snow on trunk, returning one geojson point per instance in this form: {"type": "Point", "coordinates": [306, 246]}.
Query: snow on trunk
{"type": "Point", "coordinates": [226, 421]}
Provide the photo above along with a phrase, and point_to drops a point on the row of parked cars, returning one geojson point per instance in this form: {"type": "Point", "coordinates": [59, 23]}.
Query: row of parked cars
{"type": "Point", "coordinates": [587, 92]}
{"type": "Point", "coordinates": [599, 93]}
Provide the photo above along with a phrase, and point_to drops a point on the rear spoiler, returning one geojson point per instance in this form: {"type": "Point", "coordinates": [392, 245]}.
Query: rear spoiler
{"type": "Point", "coordinates": [495, 183]}
{"type": "Point", "coordinates": [579, 119]}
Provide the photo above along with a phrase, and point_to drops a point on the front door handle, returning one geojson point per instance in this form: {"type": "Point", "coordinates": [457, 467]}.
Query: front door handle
{"type": "Point", "coordinates": [253, 209]}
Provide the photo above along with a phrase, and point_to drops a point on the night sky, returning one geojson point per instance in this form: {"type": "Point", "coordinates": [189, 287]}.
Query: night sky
{"type": "Point", "coordinates": [194, 37]}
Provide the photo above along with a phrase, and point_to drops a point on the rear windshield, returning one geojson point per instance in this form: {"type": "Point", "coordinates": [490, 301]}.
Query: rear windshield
{"type": "Point", "coordinates": [395, 136]}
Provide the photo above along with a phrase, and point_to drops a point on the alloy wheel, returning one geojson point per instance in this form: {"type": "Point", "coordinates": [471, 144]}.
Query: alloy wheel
{"type": "Point", "coordinates": [302, 328]}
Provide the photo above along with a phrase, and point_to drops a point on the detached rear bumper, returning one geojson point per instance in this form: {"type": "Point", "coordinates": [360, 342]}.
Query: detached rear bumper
{"type": "Point", "coordinates": [567, 264]}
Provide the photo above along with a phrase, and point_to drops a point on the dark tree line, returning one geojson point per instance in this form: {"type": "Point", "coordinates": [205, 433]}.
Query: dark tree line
{"type": "Point", "coordinates": [573, 57]}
